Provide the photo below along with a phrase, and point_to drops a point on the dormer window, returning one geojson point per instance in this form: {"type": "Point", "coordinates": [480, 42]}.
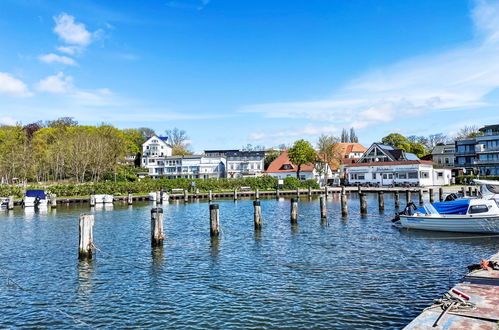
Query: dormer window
{"type": "Point", "coordinates": [287, 167]}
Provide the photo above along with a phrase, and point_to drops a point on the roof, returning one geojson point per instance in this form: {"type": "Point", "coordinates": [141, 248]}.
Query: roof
{"type": "Point", "coordinates": [220, 151]}
{"type": "Point", "coordinates": [277, 166]}
{"type": "Point", "coordinates": [404, 162]}
{"type": "Point", "coordinates": [346, 148]}
{"type": "Point", "coordinates": [245, 153]}
{"type": "Point", "coordinates": [162, 138]}
{"type": "Point", "coordinates": [444, 149]}
{"type": "Point", "coordinates": [496, 126]}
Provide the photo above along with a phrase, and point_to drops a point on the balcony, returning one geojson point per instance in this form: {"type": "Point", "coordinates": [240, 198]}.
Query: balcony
{"type": "Point", "coordinates": [465, 153]}
{"type": "Point", "coordinates": [487, 162]}
{"type": "Point", "coordinates": [487, 150]}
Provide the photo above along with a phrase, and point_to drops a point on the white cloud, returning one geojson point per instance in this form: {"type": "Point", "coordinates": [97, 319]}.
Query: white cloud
{"type": "Point", "coordinates": [71, 32]}
{"type": "Point", "coordinates": [452, 80]}
{"type": "Point", "coordinates": [54, 58]}
{"type": "Point", "coordinates": [71, 50]}
{"type": "Point", "coordinates": [57, 84]}
{"type": "Point", "coordinates": [13, 87]}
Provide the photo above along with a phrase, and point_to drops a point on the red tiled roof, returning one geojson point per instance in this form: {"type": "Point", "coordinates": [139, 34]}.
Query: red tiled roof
{"type": "Point", "coordinates": [346, 148]}
{"type": "Point", "coordinates": [405, 162]}
{"type": "Point", "coordinates": [283, 159]}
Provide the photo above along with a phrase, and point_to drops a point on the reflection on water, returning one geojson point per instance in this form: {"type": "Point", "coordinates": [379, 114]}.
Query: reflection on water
{"type": "Point", "coordinates": [242, 279]}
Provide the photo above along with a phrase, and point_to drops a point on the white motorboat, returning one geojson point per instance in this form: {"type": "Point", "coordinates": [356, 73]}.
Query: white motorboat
{"type": "Point", "coordinates": [103, 199]}
{"type": "Point", "coordinates": [479, 215]}
{"type": "Point", "coordinates": [35, 198]}
{"type": "Point", "coordinates": [152, 196]}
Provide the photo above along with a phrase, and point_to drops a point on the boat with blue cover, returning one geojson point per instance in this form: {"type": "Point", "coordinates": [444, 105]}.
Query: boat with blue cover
{"type": "Point", "coordinates": [469, 215]}
{"type": "Point", "coordinates": [35, 198]}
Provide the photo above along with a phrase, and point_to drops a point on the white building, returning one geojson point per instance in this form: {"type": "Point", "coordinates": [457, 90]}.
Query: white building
{"type": "Point", "coordinates": [410, 172]}
{"type": "Point", "coordinates": [282, 168]}
{"type": "Point", "coordinates": [189, 167]}
{"type": "Point", "coordinates": [155, 150]}
{"type": "Point", "coordinates": [242, 164]}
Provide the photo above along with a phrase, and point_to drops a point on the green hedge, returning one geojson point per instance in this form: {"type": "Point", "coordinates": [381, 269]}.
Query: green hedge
{"type": "Point", "coordinates": [149, 185]}
{"type": "Point", "coordinates": [467, 179]}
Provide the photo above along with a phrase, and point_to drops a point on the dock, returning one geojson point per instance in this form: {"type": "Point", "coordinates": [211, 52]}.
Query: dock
{"type": "Point", "coordinates": [481, 310]}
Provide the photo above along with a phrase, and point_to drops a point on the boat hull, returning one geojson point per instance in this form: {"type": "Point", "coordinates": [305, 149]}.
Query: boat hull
{"type": "Point", "coordinates": [462, 223]}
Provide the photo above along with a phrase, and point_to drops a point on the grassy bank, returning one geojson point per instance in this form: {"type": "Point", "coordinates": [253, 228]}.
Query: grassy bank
{"type": "Point", "coordinates": [147, 185]}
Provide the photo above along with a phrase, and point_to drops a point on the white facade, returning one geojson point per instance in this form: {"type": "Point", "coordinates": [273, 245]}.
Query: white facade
{"type": "Point", "coordinates": [303, 175]}
{"type": "Point", "coordinates": [154, 151]}
{"type": "Point", "coordinates": [189, 167]}
{"type": "Point", "coordinates": [386, 174]}
{"type": "Point", "coordinates": [242, 164]}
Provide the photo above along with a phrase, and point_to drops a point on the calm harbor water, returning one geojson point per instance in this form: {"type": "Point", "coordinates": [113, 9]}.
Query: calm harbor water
{"type": "Point", "coordinates": [243, 280]}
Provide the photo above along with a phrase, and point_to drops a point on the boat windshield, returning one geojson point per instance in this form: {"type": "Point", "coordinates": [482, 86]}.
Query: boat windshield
{"type": "Point", "coordinates": [430, 209]}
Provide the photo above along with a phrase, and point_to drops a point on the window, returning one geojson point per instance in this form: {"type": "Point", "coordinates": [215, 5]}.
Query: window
{"type": "Point", "coordinates": [402, 175]}
{"type": "Point", "coordinates": [374, 176]}
{"type": "Point", "coordinates": [478, 209]}
{"type": "Point", "coordinates": [412, 175]}
{"type": "Point", "coordinates": [361, 177]}
{"type": "Point", "coordinates": [425, 175]}
{"type": "Point", "coordinates": [385, 176]}
{"type": "Point", "coordinates": [440, 174]}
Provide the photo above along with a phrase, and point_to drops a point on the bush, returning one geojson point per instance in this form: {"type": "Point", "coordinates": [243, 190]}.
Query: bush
{"type": "Point", "coordinates": [467, 179]}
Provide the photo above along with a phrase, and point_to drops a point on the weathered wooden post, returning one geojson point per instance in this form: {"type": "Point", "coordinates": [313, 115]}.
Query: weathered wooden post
{"type": "Point", "coordinates": [432, 196]}
{"type": "Point", "coordinates": [344, 207]}
{"type": "Point", "coordinates": [158, 197]}
{"type": "Point", "coordinates": [130, 199]}
{"type": "Point", "coordinates": [10, 206]}
{"type": "Point", "coordinates": [257, 215]}
{"type": "Point", "coordinates": [477, 191]}
{"type": "Point", "coordinates": [53, 201]}
{"type": "Point", "coordinates": [363, 203]}
{"type": "Point", "coordinates": [323, 207]}
{"type": "Point", "coordinates": [309, 192]}
{"type": "Point", "coordinates": [470, 189]}
{"type": "Point", "coordinates": [297, 192]}
{"type": "Point", "coordinates": [186, 196]}
{"type": "Point", "coordinates": [440, 194]}
{"type": "Point", "coordinates": [214, 220]}
{"type": "Point", "coordinates": [92, 200]}
{"type": "Point", "coordinates": [326, 191]}
{"type": "Point", "coordinates": [210, 196]}
{"type": "Point", "coordinates": [157, 235]}
{"type": "Point", "coordinates": [396, 198]}
{"type": "Point", "coordinates": [381, 200]}
{"type": "Point", "coordinates": [257, 194]}
{"type": "Point", "coordinates": [463, 191]}
{"type": "Point", "coordinates": [420, 196]}
{"type": "Point", "coordinates": [359, 189]}
{"type": "Point", "coordinates": [235, 194]}
{"type": "Point", "coordinates": [86, 239]}
{"type": "Point", "coordinates": [277, 192]}
{"type": "Point", "coordinates": [294, 210]}
{"type": "Point", "coordinates": [408, 196]}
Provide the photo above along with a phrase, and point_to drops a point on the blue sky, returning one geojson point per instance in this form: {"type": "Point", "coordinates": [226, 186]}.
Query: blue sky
{"type": "Point", "coordinates": [261, 72]}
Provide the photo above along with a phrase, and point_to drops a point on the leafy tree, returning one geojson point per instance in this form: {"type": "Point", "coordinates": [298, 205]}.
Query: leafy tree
{"type": "Point", "coordinates": [302, 153]}
{"type": "Point", "coordinates": [135, 140]}
{"type": "Point", "coordinates": [146, 132]}
{"type": "Point", "coordinates": [396, 140]}
{"type": "Point", "coordinates": [417, 148]}
{"type": "Point", "coordinates": [30, 129]}
{"type": "Point", "coordinates": [270, 156]}
{"type": "Point", "coordinates": [63, 122]}
{"type": "Point", "coordinates": [327, 154]}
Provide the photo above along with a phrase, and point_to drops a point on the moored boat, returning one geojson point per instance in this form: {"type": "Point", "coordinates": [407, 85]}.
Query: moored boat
{"type": "Point", "coordinates": [478, 215]}
{"type": "Point", "coordinates": [35, 198]}
{"type": "Point", "coordinates": [103, 199]}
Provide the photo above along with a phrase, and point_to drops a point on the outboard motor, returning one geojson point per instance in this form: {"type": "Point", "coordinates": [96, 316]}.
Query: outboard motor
{"type": "Point", "coordinates": [408, 210]}
{"type": "Point", "coordinates": [451, 197]}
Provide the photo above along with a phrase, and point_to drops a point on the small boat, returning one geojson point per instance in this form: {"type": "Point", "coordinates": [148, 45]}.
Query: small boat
{"type": "Point", "coordinates": [475, 215]}
{"type": "Point", "coordinates": [4, 202]}
{"type": "Point", "coordinates": [103, 199]}
{"type": "Point", "coordinates": [35, 198]}
{"type": "Point", "coordinates": [152, 196]}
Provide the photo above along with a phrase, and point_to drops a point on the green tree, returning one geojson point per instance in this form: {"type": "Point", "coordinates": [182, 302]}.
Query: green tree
{"type": "Point", "coordinates": [396, 140]}
{"type": "Point", "coordinates": [327, 157]}
{"type": "Point", "coordinates": [302, 153]}
{"type": "Point", "coordinates": [353, 136]}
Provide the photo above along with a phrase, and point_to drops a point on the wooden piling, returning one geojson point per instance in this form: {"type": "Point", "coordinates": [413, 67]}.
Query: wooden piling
{"type": "Point", "coordinates": [309, 192]}
{"type": "Point", "coordinates": [326, 191]}
{"type": "Point", "coordinates": [10, 205]}
{"type": "Point", "coordinates": [277, 193]}
{"type": "Point", "coordinates": [470, 189]}
{"type": "Point", "coordinates": [432, 196]}
{"type": "Point", "coordinates": [297, 192]}
{"type": "Point", "coordinates": [86, 236]}
{"type": "Point", "coordinates": [463, 191]}
{"type": "Point", "coordinates": [157, 235]}
{"type": "Point", "coordinates": [158, 197]}
{"type": "Point", "coordinates": [210, 196]}
{"type": "Point", "coordinates": [343, 198]}
{"type": "Point", "coordinates": [294, 210]}
{"type": "Point", "coordinates": [257, 215]}
{"type": "Point", "coordinates": [186, 196]}
{"type": "Point", "coordinates": [421, 196]}
{"type": "Point", "coordinates": [92, 200]}
{"type": "Point", "coordinates": [408, 196]}
{"type": "Point", "coordinates": [235, 194]}
{"type": "Point", "coordinates": [257, 194]}
{"type": "Point", "coordinates": [130, 199]}
{"type": "Point", "coordinates": [359, 189]}
{"type": "Point", "coordinates": [381, 200]}
{"type": "Point", "coordinates": [396, 198]}
{"type": "Point", "coordinates": [323, 207]}
{"type": "Point", "coordinates": [214, 220]}
{"type": "Point", "coordinates": [363, 203]}
{"type": "Point", "coordinates": [440, 194]}
{"type": "Point", "coordinates": [53, 201]}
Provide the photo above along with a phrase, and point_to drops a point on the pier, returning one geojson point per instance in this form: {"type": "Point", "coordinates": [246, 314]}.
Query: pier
{"type": "Point", "coordinates": [475, 302]}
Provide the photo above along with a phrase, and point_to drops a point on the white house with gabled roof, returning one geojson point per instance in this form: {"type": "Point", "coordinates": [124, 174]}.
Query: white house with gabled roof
{"type": "Point", "coordinates": [154, 150]}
